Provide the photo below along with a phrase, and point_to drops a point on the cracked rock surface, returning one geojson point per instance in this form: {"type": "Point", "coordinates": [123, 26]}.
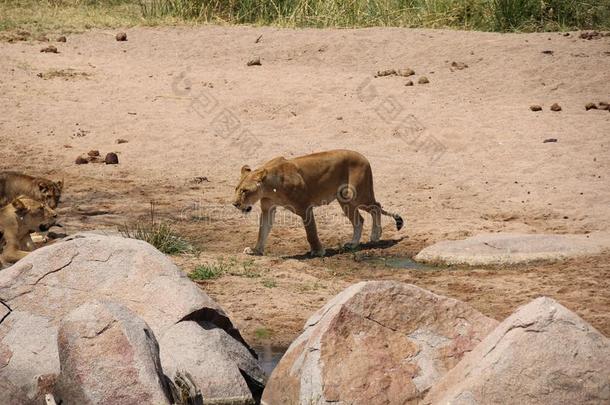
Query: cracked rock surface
{"type": "Point", "coordinates": [376, 342]}
{"type": "Point", "coordinates": [513, 248]}
{"type": "Point", "coordinates": [108, 356]}
{"type": "Point", "coordinates": [541, 354]}
{"type": "Point", "coordinates": [40, 290]}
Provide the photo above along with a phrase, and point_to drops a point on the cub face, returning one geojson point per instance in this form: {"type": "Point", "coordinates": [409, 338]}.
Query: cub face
{"type": "Point", "coordinates": [33, 215]}
{"type": "Point", "coordinates": [249, 190]}
{"type": "Point", "coordinates": [50, 191]}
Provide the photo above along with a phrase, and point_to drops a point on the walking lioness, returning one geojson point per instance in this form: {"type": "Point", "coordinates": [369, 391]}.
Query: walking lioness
{"type": "Point", "coordinates": [305, 182]}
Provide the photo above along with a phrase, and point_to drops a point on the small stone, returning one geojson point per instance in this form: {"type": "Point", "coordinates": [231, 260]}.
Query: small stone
{"type": "Point", "coordinates": [550, 140]}
{"type": "Point", "coordinates": [93, 153]}
{"type": "Point", "coordinates": [387, 72]}
{"type": "Point", "coordinates": [121, 36]}
{"type": "Point", "coordinates": [42, 38]}
{"type": "Point", "coordinates": [535, 107]}
{"type": "Point", "coordinates": [49, 49]}
{"type": "Point", "coordinates": [555, 107]}
{"type": "Point", "coordinates": [458, 65]}
{"type": "Point", "coordinates": [81, 161]}
{"type": "Point", "coordinates": [111, 159]}
{"type": "Point", "coordinates": [590, 106]}
{"type": "Point", "coordinates": [547, 52]}
{"type": "Point", "coordinates": [254, 62]}
{"type": "Point", "coordinates": [409, 83]}
{"type": "Point", "coordinates": [61, 38]}
{"type": "Point", "coordinates": [423, 80]}
{"type": "Point", "coordinates": [121, 140]}
{"type": "Point", "coordinates": [603, 105]}
{"type": "Point", "coordinates": [405, 72]}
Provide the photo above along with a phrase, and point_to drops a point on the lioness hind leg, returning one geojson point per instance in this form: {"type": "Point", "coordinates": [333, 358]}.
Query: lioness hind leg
{"type": "Point", "coordinates": [375, 212]}
{"type": "Point", "coordinates": [352, 213]}
{"type": "Point", "coordinates": [312, 233]}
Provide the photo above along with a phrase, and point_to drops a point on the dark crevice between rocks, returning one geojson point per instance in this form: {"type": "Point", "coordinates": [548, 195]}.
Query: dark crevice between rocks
{"type": "Point", "coordinates": [209, 315]}
{"type": "Point", "coordinates": [8, 313]}
{"type": "Point", "coordinates": [255, 387]}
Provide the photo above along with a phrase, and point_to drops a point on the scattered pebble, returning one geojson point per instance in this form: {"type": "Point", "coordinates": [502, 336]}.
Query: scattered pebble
{"type": "Point", "coordinates": [49, 49]}
{"type": "Point", "coordinates": [61, 38]}
{"type": "Point", "coordinates": [423, 80]}
{"type": "Point", "coordinates": [111, 159]}
{"type": "Point", "coordinates": [547, 52]}
{"type": "Point", "coordinates": [409, 83]}
{"type": "Point", "coordinates": [93, 153]}
{"type": "Point", "coordinates": [603, 105]}
{"type": "Point", "coordinates": [200, 179]}
{"type": "Point", "coordinates": [121, 140]}
{"type": "Point", "coordinates": [81, 161]}
{"type": "Point", "coordinates": [458, 65]}
{"type": "Point", "coordinates": [405, 72]}
{"type": "Point", "coordinates": [548, 140]}
{"type": "Point", "coordinates": [339, 118]}
{"type": "Point", "coordinates": [121, 36]}
{"type": "Point", "coordinates": [254, 62]}
{"type": "Point", "coordinates": [535, 107]}
{"type": "Point", "coordinates": [42, 38]}
{"type": "Point", "coordinates": [590, 35]}
{"type": "Point", "coordinates": [387, 72]}
{"type": "Point", "coordinates": [555, 107]}
{"type": "Point", "coordinates": [590, 106]}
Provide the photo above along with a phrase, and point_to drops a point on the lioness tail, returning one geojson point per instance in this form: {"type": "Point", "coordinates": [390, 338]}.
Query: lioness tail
{"type": "Point", "coordinates": [397, 218]}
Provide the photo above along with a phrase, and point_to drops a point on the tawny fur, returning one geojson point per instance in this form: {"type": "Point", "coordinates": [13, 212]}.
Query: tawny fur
{"type": "Point", "coordinates": [17, 221]}
{"type": "Point", "coordinates": [13, 184]}
{"type": "Point", "coordinates": [302, 183]}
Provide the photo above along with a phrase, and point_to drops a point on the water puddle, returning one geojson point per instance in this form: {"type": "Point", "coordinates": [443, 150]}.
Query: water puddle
{"type": "Point", "coordinates": [269, 356]}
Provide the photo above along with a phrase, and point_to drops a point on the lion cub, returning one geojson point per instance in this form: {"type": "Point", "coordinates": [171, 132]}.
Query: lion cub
{"type": "Point", "coordinates": [13, 184]}
{"type": "Point", "coordinates": [17, 220]}
{"type": "Point", "coordinates": [302, 183]}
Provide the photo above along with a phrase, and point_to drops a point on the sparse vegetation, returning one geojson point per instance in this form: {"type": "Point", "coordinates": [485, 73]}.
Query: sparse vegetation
{"type": "Point", "coordinates": [262, 333]}
{"type": "Point", "coordinates": [160, 235]}
{"type": "Point", "coordinates": [208, 271]}
{"type": "Point", "coordinates": [487, 15]}
{"type": "Point", "coordinates": [269, 283]}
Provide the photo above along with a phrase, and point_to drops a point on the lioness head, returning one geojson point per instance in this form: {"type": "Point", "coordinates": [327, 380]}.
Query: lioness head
{"type": "Point", "coordinates": [33, 215]}
{"type": "Point", "coordinates": [50, 191]}
{"type": "Point", "coordinates": [249, 190]}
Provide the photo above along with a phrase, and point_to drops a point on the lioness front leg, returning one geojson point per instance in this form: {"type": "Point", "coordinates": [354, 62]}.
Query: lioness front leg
{"type": "Point", "coordinates": [13, 255]}
{"type": "Point", "coordinates": [312, 233]}
{"type": "Point", "coordinates": [266, 222]}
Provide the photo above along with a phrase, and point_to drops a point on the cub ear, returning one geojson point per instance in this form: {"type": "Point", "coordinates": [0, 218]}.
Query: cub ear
{"type": "Point", "coordinates": [245, 169]}
{"type": "Point", "coordinates": [43, 187]}
{"type": "Point", "coordinates": [60, 184]}
{"type": "Point", "coordinates": [20, 208]}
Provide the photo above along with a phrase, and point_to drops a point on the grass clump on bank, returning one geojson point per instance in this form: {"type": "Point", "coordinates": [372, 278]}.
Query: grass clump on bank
{"type": "Point", "coordinates": [160, 235]}
{"type": "Point", "coordinates": [486, 15]}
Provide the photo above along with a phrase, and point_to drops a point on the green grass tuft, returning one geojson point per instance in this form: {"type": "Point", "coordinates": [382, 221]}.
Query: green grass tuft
{"type": "Point", "coordinates": [208, 271]}
{"type": "Point", "coordinates": [160, 235]}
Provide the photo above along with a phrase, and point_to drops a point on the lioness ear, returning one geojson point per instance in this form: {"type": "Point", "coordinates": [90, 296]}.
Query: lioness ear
{"type": "Point", "coordinates": [245, 169]}
{"type": "Point", "coordinates": [60, 185]}
{"type": "Point", "coordinates": [261, 175]}
{"type": "Point", "coordinates": [20, 208]}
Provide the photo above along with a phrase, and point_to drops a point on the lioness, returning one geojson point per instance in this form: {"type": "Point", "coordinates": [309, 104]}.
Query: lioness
{"type": "Point", "coordinates": [13, 184]}
{"type": "Point", "coordinates": [305, 182]}
{"type": "Point", "coordinates": [17, 220]}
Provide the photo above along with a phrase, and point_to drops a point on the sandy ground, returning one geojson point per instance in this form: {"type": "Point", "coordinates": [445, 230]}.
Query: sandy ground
{"type": "Point", "coordinates": [457, 156]}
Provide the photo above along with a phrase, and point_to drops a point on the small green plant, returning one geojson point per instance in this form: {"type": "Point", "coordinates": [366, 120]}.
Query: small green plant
{"type": "Point", "coordinates": [208, 271]}
{"type": "Point", "coordinates": [269, 283]}
{"type": "Point", "coordinates": [262, 333]}
{"type": "Point", "coordinates": [160, 235]}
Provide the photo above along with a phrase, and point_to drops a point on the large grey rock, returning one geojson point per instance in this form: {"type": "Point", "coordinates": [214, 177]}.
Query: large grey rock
{"type": "Point", "coordinates": [54, 280]}
{"type": "Point", "coordinates": [376, 342]}
{"type": "Point", "coordinates": [108, 356]}
{"type": "Point", "coordinates": [216, 362]}
{"type": "Point", "coordinates": [512, 248]}
{"type": "Point", "coordinates": [541, 354]}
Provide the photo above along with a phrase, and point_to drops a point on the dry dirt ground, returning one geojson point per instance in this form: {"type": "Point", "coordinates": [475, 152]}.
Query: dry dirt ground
{"type": "Point", "coordinates": [460, 155]}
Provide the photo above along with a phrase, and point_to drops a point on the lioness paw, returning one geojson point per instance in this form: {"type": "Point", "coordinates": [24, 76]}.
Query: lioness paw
{"type": "Point", "coordinates": [253, 252]}
{"type": "Point", "coordinates": [318, 253]}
